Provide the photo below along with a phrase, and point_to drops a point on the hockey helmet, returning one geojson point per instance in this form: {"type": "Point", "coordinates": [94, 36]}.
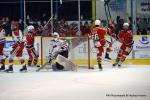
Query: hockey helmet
{"type": "Point", "coordinates": [55, 34]}
{"type": "Point", "coordinates": [125, 25]}
{"type": "Point", "coordinates": [97, 22]}
{"type": "Point", "coordinates": [30, 28]}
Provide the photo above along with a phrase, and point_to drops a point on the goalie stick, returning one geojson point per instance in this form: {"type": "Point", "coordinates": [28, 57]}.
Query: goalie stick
{"type": "Point", "coordinates": [47, 62]}
{"type": "Point", "coordinates": [51, 57]}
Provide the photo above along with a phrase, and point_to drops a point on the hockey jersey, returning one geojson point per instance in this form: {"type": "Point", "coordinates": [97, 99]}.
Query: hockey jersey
{"type": "Point", "coordinates": [30, 40]}
{"type": "Point", "coordinates": [125, 37]}
{"type": "Point", "coordinates": [17, 36]}
{"type": "Point", "coordinates": [98, 34]}
{"type": "Point", "coordinates": [58, 45]}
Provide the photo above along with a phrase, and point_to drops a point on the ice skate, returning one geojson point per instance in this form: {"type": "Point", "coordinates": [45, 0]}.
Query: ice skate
{"type": "Point", "coordinates": [100, 66]}
{"type": "Point", "coordinates": [115, 64]}
{"type": "Point", "coordinates": [10, 69]}
{"type": "Point", "coordinates": [54, 68]}
{"type": "Point", "coordinates": [2, 68]}
{"type": "Point", "coordinates": [107, 58]}
{"type": "Point", "coordinates": [38, 66]}
{"type": "Point", "coordinates": [23, 69]}
{"type": "Point", "coordinates": [119, 65]}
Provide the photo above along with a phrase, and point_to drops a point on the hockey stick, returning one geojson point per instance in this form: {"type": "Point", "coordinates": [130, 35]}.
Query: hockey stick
{"type": "Point", "coordinates": [43, 27]}
{"type": "Point", "coordinates": [43, 66]}
{"type": "Point", "coordinates": [48, 22]}
{"type": "Point", "coordinates": [51, 58]}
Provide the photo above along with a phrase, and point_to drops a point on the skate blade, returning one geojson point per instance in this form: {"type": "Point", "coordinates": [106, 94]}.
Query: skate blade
{"type": "Point", "coordinates": [91, 68]}
{"type": "Point", "coordinates": [119, 66]}
{"type": "Point", "coordinates": [2, 70]}
{"type": "Point", "coordinates": [24, 71]}
{"type": "Point", "coordinates": [108, 60]}
{"type": "Point", "coordinates": [9, 71]}
{"type": "Point", "coordinates": [113, 66]}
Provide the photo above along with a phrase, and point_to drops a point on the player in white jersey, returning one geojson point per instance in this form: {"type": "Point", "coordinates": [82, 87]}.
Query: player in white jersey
{"type": "Point", "coordinates": [2, 42]}
{"type": "Point", "coordinates": [17, 48]}
{"type": "Point", "coordinates": [58, 46]}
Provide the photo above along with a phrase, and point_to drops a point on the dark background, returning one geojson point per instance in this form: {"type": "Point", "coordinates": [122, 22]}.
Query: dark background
{"type": "Point", "coordinates": [68, 10]}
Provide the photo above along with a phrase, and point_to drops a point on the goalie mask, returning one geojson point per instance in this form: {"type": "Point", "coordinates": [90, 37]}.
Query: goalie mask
{"type": "Point", "coordinates": [55, 35]}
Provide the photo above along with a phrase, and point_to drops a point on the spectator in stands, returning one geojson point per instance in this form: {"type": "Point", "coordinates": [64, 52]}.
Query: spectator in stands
{"type": "Point", "coordinates": [44, 17]}
{"type": "Point", "coordinates": [7, 25]}
{"type": "Point", "coordinates": [21, 24]}
{"type": "Point", "coordinates": [87, 28]}
{"type": "Point", "coordinates": [118, 26]}
{"type": "Point", "coordinates": [143, 26]}
{"type": "Point", "coordinates": [82, 28]}
{"type": "Point", "coordinates": [46, 31]}
{"type": "Point", "coordinates": [148, 29]}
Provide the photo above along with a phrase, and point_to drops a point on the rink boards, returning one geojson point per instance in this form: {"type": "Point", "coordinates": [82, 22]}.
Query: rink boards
{"type": "Point", "coordinates": [81, 49]}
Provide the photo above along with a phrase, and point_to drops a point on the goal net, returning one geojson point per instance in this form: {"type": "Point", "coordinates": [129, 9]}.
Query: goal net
{"type": "Point", "coordinates": [79, 52]}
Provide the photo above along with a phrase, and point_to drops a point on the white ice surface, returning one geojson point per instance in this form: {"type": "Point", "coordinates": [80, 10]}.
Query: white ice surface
{"type": "Point", "coordinates": [81, 85]}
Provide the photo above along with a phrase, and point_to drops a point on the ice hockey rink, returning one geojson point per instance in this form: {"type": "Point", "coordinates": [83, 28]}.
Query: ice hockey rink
{"type": "Point", "coordinates": [132, 82]}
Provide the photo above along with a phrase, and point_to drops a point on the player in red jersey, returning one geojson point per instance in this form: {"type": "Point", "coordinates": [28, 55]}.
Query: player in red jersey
{"type": "Point", "coordinates": [125, 37]}
{"type": "Point", "coordinates": [2, 42]}
{"type": "Point", "coordinates": [33, 54]}
{"type": "Point", "coordinates": [17, 47]}
{"type": "Point", "coordinates": [98, 35]}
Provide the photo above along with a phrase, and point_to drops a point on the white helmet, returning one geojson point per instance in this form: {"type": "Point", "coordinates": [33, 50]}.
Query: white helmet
{"type": "Point", "coordinates": [55, 34]}
{"type": "Point", "coordinates": [97, 22]}
{"type": "Point", "coordinates": [126, 25]}
{"type": "Point", "coordinates": [30, 28]}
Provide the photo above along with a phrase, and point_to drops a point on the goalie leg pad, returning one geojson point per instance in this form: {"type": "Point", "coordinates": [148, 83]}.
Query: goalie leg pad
{"type": "Point", "coordinates": [67, 64]}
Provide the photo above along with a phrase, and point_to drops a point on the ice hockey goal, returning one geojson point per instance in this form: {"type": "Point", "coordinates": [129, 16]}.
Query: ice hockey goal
{"type": "Point", "coordinates": [79, 51]}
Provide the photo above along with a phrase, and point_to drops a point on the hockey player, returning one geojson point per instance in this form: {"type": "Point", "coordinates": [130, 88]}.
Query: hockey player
{"type": "Point", "coordinates": [109, 47]}
{"type": "Point", "coordinates": [59, 46]}
{"type": "Point", "coordinates": [2, 42]}
{"type": "Point", "coordinates": [98, 35]}
{"type": "Point", "coordinates": [17, 47]}
{"type": "Point", "coordinates": [125, 37]}
{"type": "Point", "coordinates": [33, 55]}
{"type": "Point", "coordinates": [108, 50]}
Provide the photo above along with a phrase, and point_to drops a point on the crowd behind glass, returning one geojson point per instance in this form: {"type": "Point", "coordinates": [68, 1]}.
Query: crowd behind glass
{"type": "Point", "coordinates": [68, 28]}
